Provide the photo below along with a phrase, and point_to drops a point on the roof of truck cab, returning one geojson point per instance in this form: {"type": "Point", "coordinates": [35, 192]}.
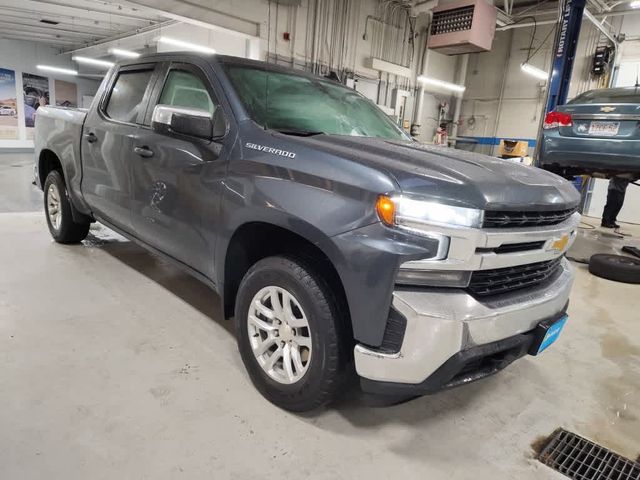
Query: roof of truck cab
{"type": "Point", "coordinates": [217, 59]}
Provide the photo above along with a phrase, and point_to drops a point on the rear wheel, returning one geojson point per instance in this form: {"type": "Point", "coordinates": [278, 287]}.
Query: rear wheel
{"type": "Point", "coordinates": [289, 334]}
{"type": "Point", "coordinates": [57, 208]}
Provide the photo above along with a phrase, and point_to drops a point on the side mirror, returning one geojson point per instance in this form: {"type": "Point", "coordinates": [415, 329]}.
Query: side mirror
{"type": "Point", "coordinates": [219, 124]}
{"type": "Point", "coordinates": [187, 121]}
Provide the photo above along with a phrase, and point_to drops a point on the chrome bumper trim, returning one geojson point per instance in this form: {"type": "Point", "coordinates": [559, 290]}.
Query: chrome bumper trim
{"type": "Point", "coordinates": [441, 323]}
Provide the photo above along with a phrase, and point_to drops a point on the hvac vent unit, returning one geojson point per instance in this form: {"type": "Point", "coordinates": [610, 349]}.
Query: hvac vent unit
{"type": "Point", "coordinates": [465, 26]}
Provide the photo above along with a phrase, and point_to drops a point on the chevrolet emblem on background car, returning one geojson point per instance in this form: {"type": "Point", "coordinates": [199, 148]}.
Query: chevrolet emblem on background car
{"type": "Point", "coordinates": [607, 109]}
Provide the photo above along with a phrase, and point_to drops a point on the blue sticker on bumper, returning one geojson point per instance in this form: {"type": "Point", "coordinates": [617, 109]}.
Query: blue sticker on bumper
{"type": "Point", "coordinates": [553, 333]}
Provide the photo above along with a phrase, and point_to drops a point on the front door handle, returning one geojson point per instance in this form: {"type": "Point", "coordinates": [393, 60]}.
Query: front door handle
{"type": "Point", "coordinates": [143, 151]}
{"type": "Point", "coordinates": [91, 137]}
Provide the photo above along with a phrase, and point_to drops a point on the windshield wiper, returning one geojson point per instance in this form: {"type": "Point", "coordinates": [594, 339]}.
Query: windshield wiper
{"type": "Point", "coordinates": [298, 133]}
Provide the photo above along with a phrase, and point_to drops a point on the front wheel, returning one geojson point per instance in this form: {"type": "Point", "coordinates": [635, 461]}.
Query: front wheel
{"type": "Point", "coordinates": [57, 208]}
{"type": "Point", "coordinates": [289, 332]}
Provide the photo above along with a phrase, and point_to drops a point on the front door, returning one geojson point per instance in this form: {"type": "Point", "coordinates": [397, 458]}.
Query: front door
{"type": "Point", "coordinates": [108, 140]}
{"type": "Point", "coordinates": [176, 177]}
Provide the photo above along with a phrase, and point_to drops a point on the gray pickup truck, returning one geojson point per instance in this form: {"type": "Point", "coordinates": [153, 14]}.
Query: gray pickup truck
{"type": "Point", "coordinates": [333, 239]}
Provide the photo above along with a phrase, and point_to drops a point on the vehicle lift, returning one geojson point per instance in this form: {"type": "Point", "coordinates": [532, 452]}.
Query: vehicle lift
{"type": "Point", "coordinates": [590, 240]}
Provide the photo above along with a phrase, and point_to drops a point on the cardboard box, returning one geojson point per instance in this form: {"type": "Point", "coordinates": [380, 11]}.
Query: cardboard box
{"type": "Point", "coordinates": [513, 148]}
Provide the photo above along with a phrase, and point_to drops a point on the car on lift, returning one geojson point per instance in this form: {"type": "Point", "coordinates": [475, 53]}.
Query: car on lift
{"type": "Point", "coordinates": [597, 133]}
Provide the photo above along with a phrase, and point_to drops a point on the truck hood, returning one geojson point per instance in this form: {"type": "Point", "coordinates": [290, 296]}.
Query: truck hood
{"type": "Point", "coordinates": [455, 177]}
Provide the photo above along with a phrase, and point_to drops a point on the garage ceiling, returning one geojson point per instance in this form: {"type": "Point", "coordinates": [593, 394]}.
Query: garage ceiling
{"type": "Point", "coordinates": [70, 24]}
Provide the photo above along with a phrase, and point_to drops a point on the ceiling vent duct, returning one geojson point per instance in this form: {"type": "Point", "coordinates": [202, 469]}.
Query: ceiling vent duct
{"type": "Point", "coordinates": [465, 26]}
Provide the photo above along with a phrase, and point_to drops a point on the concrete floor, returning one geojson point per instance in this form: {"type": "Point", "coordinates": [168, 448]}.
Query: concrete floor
{"type": "Point", "coordinates": [117, 365]}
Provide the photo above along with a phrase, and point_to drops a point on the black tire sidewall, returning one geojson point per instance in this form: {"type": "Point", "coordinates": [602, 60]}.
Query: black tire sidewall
{"type": "Point", "coordinates": [319, 308]}
{"type": "Point", "coordinates": [69, 231]}
{"type": "Point", "coordinates": [607, 266]}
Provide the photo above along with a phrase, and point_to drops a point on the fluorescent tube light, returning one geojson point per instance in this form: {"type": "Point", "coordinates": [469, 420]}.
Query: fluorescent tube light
{"type": "Point", "coordinates": [441, 83]}
{"type": "Point", "coordinates": [124, 53]}
{"type": "Point", "coordinates": [186, 45]}
{"type": "Point", "coordinates": [635, 4]}
{"type": "Point", "coordinates": [93, 61]}
{"type": "Point", "coordinates": [49, 68]}
{"type": "Point", "coordinates": [534, 71]}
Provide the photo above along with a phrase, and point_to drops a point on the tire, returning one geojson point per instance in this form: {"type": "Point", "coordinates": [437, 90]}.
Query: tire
{"type": "Point", "coordinates": [615, 267]}
{"type": "Point", "coordinates": [320, 380]}
{"type": "Point", "coordinates": [57, 209]}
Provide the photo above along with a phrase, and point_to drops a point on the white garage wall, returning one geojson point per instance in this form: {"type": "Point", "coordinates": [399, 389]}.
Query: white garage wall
{"type": "Point", "coordinates": [524, 95]}
{"type": "Point", "coordinates": [22, 57]}
{"type": "Point", "coordinates": [251, 17]}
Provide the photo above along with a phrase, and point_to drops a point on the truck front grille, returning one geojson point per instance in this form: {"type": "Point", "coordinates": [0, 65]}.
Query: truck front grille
{"type": "Point", "coordinates": [506, 219]}
{"type": "Point", "coordinates": [501, 280]}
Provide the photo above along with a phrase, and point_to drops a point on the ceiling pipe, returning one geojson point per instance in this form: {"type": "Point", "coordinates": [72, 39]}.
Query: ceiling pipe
{"type": "Point", "coordinates": [600, 27]}
{"type": "Point", "coordinates": [115, 38]}
{"type": "Point", "coordinates": [525, 24]}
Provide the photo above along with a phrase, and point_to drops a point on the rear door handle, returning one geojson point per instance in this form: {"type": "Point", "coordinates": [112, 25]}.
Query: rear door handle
{"type": "Point", "coordinates": [91, 137]}
{"type": "Point", "coordinates": [143, 151]}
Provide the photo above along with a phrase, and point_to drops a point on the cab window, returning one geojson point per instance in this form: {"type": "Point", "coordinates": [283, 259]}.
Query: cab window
{"type": "Point", "coordinates": [185, 89]}
{"type": "Point", "coordinates": [127, 95]}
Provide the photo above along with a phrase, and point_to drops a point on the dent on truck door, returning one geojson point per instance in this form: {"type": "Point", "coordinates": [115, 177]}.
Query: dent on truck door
{"type": "Point", "coordinates": [176, 178]}
{"type": "Point", "coordinates": [108, 140]}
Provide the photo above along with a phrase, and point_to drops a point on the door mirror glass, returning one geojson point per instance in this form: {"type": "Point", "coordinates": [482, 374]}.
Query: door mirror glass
{"type": "Point", "coordinates": [186, 121]}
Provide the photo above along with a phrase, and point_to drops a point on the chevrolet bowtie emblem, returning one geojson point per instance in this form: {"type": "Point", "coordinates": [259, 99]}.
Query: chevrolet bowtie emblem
{"type": "Point", "coordinates": [607, 109]}
{"type": "Point", "coordinates": [560, 244]}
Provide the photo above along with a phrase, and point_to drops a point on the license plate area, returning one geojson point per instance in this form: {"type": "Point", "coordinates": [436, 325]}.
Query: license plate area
{"type": "Point", "coordinates": [604, 129]}
{"type": "Point", "coordinates": [546, 333]}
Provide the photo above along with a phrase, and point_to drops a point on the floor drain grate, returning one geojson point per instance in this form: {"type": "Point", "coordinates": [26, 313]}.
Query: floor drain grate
{"type": "Point", "coordinates": [581, 459]}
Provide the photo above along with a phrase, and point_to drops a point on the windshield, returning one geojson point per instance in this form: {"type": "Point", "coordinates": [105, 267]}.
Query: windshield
{"type": "Point", "coordinates": [301, 105]}
{"type": "Point", "coordinates": [608, 95]}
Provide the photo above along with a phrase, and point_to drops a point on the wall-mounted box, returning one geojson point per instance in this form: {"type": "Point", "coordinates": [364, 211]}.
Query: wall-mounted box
{"type": "Point", "coordinates": [513, 148]}
{"type": "Point", "coordinates": [465, 26]}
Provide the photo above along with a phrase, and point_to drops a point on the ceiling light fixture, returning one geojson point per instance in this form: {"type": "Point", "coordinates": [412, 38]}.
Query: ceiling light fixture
{"type": "Point", "coordinates": [124, 53]}
{"type": "Point", "coordinates": [93, 61]}
{"type": "Point", "coordinates": [186, 45]}
{"type": "Point", "coordinates": [441, 83]}
{"type": "Point", "coordinates": [534, 71]}
{"type": "Point", "coordinates": [48, 68]}
{"type": "Point", "coordinates": [635, 4]}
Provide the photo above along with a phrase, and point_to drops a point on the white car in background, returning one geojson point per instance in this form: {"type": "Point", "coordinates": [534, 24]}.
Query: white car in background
{"type": "Point", "coordinates": [6, 111]}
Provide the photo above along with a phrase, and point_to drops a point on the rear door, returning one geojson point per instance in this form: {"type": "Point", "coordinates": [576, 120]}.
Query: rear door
{"type": "Point", "coordinates": [108, 139]}
{"type": "Point", "coordinates": [177, 181]}
{"type": "Point", "coordinates": [605, 114]}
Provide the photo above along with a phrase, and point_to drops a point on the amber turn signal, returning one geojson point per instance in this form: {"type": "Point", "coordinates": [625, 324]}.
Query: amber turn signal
{"type": "Point", "coordinates": [386, 210]}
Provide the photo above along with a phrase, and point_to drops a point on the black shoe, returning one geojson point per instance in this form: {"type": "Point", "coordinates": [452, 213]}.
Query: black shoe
{"type": "Point", "coordinates": [609, 225]}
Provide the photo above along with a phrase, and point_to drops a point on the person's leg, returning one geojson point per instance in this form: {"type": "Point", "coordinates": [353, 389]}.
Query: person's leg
{"type": "Point", "coordinates": [621, 190]}
{"type": "Point", "coordinates": [615, 200]}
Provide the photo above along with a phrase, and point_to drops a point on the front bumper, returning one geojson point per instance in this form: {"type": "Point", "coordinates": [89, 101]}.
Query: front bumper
{"type": "Point", "coordinates": [451, 327]}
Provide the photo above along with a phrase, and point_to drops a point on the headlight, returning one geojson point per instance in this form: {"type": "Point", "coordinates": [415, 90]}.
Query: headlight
{"type": "Point", "coordinates": [416, 215]}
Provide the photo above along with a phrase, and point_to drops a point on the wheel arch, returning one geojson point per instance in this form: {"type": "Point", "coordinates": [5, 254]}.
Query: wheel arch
{"type": "Point", "coordinates": [255, 240]}
{"type": "Point", "coordinates": [47, 162]}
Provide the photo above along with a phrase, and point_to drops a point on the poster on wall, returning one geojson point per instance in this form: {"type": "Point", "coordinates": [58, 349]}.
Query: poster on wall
{"type": "Point", "coordinates": [8, 105]}
{"type": "Point", "coordinates": [36, 93]}
{"type": "Point", "coordinates": [66, 93]}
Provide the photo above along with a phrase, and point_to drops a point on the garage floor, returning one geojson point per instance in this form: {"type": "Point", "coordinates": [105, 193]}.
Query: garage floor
{"type": "Point", "coordinates": [117, 365]}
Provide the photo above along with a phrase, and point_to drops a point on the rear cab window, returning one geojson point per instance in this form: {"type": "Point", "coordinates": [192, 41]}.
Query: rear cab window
{"type": "Point", "coordinates": [126, 100]}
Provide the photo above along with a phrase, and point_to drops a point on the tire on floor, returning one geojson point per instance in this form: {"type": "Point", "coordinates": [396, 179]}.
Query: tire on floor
{"type": "Point", "coordinates": [618, 268]}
